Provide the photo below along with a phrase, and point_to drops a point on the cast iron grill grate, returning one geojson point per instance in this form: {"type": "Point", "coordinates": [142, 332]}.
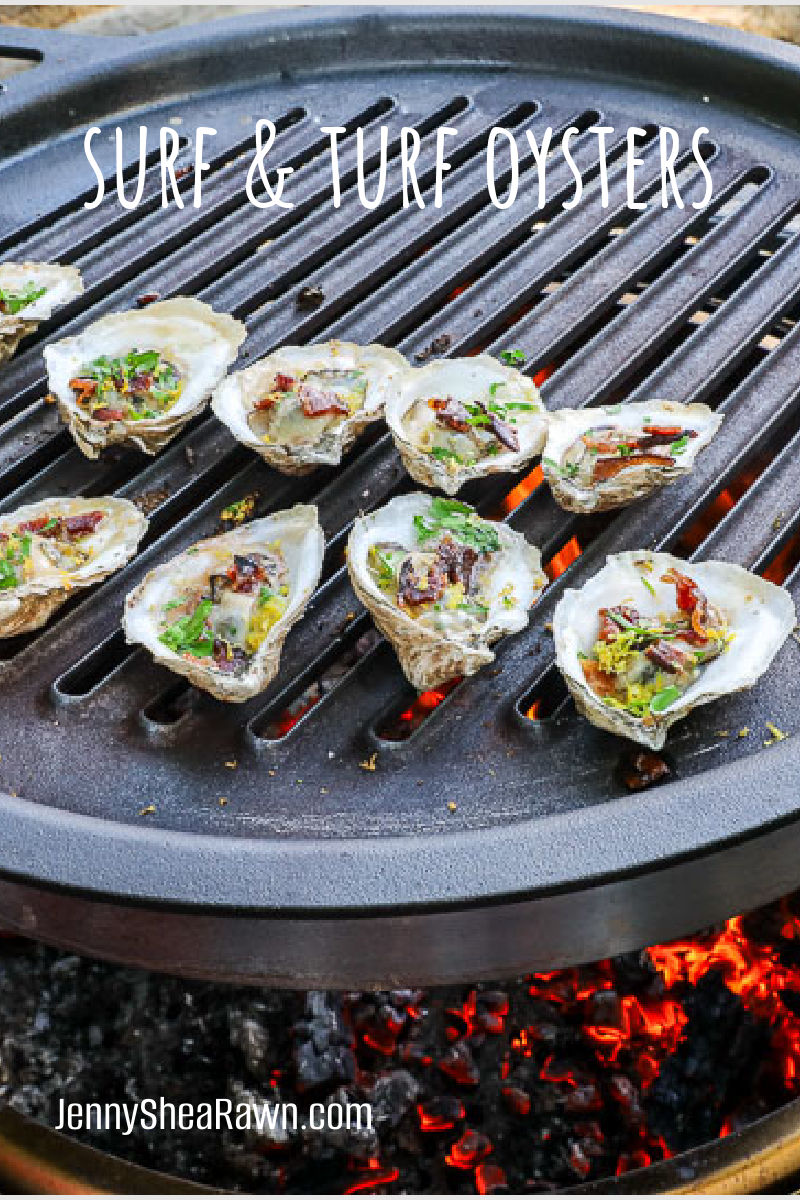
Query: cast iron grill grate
{"type": "Point", "coordinates": [609, 303]}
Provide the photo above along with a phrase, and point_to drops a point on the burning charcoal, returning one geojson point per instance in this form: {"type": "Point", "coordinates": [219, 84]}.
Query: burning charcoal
{"type": "Point", "coordinates": [517, 1101]}
{"type": "Point", "coordinates": [250, 1036]}
{"type": "Point", "coordinates": [323, 1052]}
{"type": "Point", "coordinates": [392, 1096]}
{"type": "Point", "coordinates": [490, 1180]}
{"type": "Point", "coordinates": [459, 1065]}
{"type": "Point", "coordinates": [470, 1149]}
{"type": "Point", "coordinates": [354, 1137]}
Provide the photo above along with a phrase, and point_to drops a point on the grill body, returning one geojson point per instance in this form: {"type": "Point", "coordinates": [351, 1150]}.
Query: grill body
{"type": "Point", "coordinates": [318, 870]}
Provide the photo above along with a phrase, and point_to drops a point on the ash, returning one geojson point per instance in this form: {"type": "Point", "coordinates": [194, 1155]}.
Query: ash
{"type": "Point", "coordinates": [530, 1086]}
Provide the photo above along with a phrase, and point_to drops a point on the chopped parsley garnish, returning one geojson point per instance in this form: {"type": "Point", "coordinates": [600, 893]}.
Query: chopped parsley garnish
{"type": "Point", "coordinates": [569, 470]}
{"type": "Point", "coordinates": [495, 387]}
{"type": "Point", "coordinates": [664, 698]}
{"type": "Point", "coordinates": [648, 585]}
{"type": "Point", "coordinates": [512, 357]}
{"type": "Point", "coordinates": [189, 635]}
{"type": "Point", "coordinates": [444, 453]}
{"type": "Point", "coordinates": [679, 446]}
{"type": "Point", "coordinates": [451, 516]}
{"type": "Point", "coordinates": [265, 594]}
{"type": "Point", "coordinates": [14, 302]}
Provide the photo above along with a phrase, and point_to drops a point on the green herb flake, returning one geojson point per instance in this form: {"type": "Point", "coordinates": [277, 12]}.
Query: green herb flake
{"type": "Point", "coordinates": [648, 585]}
{"type": "Point", "coordinates": [189, 635]}
{"type": "Point", "coordinates": [679, 446]}
{"type": "Point", "coordinates": [663, 699]}
{"type": "Point", "coordinates": [14, 302]}
{"type": "Point", "coordinates": [512, 357]}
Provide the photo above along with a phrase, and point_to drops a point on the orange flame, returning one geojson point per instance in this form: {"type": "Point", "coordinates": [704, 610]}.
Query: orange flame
{"type": "Point", "coordinates": [564, 558]}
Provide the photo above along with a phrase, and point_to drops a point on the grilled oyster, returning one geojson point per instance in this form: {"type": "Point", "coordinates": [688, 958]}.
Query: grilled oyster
{"type": "Point", "coordinates": [50, 548]}
{"type": "Point", "coordinates": [29, 293]}
{"type": "Point", "coordinates": [650, 637]}
{"type": "Point", "coordinates": [304, 406]}
{"type": "Point", "coordinates": [441, 583]}
{"type": "Point", "coordinates": [219, 613]}
{"type": "Point", "coordinates": [462, 418]}
{"type": "Point", "coordinates": [140, 376]}
{"type": "Point", "coordinates": [599, 458]}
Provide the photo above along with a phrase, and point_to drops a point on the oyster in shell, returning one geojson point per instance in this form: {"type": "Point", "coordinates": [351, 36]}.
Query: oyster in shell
{"type": "Point", "coordinates": [50, 548]}
{"type": "Point", "coordinates": [304, 406]}
{"type": "Point", "coordinates": [650, 637]}
{"type": "Point", "coordinates": [458, 419]}
{"type": "Point", "coordinates": [441, 583]}
{"type": "Point", "coordinates": [219, 613]}
{"type": "Point", "coordinates": [29, 293]}
{"type": "Point", "coordinates": [140, 376]}
{"type": "Point", "coordinates": [599, 458]}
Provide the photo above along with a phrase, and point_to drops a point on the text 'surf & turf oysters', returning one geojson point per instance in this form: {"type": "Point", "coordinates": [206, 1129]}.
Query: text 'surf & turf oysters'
{"type": "Point", "coordinates": [219, 613]}
{"type": "Point", "coordinates": [304, 406]}
{"type": "Point", "coordinates": [458, 419]}
{"type": "Point", "coordinates": [599, 458]}
{"type": "Point", "coordinates": [441, 583]}
{"type": "Point", "coordinates": [30, 292]}
{"type": "Point", "coordinates": [138, 377]}
{"type": "Point", "coordinates": [51, 548]}
{"type": "Point", "coordinates": [650, 637]}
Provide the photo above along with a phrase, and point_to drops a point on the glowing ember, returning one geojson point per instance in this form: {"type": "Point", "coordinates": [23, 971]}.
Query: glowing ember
{"type": "Point", "coordinates": [563, 559]}
{"type": "Point", "coordinates": [784, 561]}
{"type": "Point", "coordinates": [398, 728]}
{"type": "Point", "coordinates": [719, 507]}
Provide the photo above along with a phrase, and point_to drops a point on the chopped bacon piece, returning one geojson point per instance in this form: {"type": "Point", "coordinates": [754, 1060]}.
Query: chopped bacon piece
{"type": "Point", "coordinates": [108, 414]}
{"type": "Point", "coordinates": [86, 389]}
{"type": "Point", "coordinates": [247, 572]}
{"type": "Point", "coordinates": [458, 563]}
{"type": "Point", "coordinates": [600, 681]}
{"type": "Point", "coordinates": [141, 383]}
{"type": "Point", "coordinates": [227, 657]}
{"type": "Point", "coordinates": [283, 383]}
{"type": "Point", "coordinates": [36, 525]}
{"type": "Point", "coordinates": [265, 404]}
{"type": "Point", "coordinates": [409, 589]}
{"type": "Point", "coordinates": [609, 628]}
{"type": "Point", "coordinates": [668, 657]}
{"type": "Point", "coordinates": [687, 592]}
{"type": "Point", "coordinates": [317, 402]}
{"type": "Point", "coordinates": [504, 432]}
{"type": "Point", "coordinates": [608, 468]}
{"type": "Point", "coordinates": [83, 523]}
{"type": "Point", "coordinates": [451, 413]}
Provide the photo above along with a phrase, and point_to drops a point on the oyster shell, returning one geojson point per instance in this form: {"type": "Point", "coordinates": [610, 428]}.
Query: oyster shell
{"type": "Point", "coordinates": [55, 546]}
{"type": "Point", "coordinates": [143, 374]}
{"type": "Point", "coordinates": [599, 458]}
{"type": "Point", "coordinates": [458, 419]}
{"type": "Point", "coordinates": [745, 618]}
{"type": "Point", "coordinates": [441, 583]}
{"type": "Point", "coordinates": [343, 388]}
{"type": "Point", "coordinates": [219, 612]}
{"type": "Point", "coordinates": [29, 293]}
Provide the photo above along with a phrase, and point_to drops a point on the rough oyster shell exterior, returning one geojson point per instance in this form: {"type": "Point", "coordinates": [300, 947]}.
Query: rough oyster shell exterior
{"type": "Point", "coordinates": [201, 342]}
{"type": "Point", "coordinates": [567, 425]}
{"type": "Point", "coordinates": [428, 657]}
{"type": "Point", "coordinates": [302, 546]}
{"type": "Point", "coordinates": [63, 284]}
{"type": "Point", "coordinates": [28, 607]}
{"type": "Point", "coordinates": [233, 400]}
{"type": "Point", "coordinates": [465, 379]}
{"type": "Point", "coordinates": [760, 614]}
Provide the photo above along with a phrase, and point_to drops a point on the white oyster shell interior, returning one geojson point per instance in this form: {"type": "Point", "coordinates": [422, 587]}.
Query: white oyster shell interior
{"type": "Point", "coordinates": [570, 468]}
{"type": "Point", "coordinates": [361, 378]}
{"type": "Point", "coordinates": [201, 343]}
{"type": "Point", "coordinates": [441, 457]}
{"type": "Point", "coordinates": [436, 645]}
{"type": "Point", "coordinates": [759, 614]}
{"type": "Point", "coordinates": [294, 534]}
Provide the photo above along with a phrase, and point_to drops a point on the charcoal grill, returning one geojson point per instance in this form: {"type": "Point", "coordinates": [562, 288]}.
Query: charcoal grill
{"type": "Point", "coordinates": [320, 870]}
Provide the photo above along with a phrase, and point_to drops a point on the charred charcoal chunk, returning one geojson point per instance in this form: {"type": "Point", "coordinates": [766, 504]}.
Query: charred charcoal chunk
{"type": "Point", "coordinates": [642, 769]}
{"type": "Point", "coordinates": [310, 297]}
